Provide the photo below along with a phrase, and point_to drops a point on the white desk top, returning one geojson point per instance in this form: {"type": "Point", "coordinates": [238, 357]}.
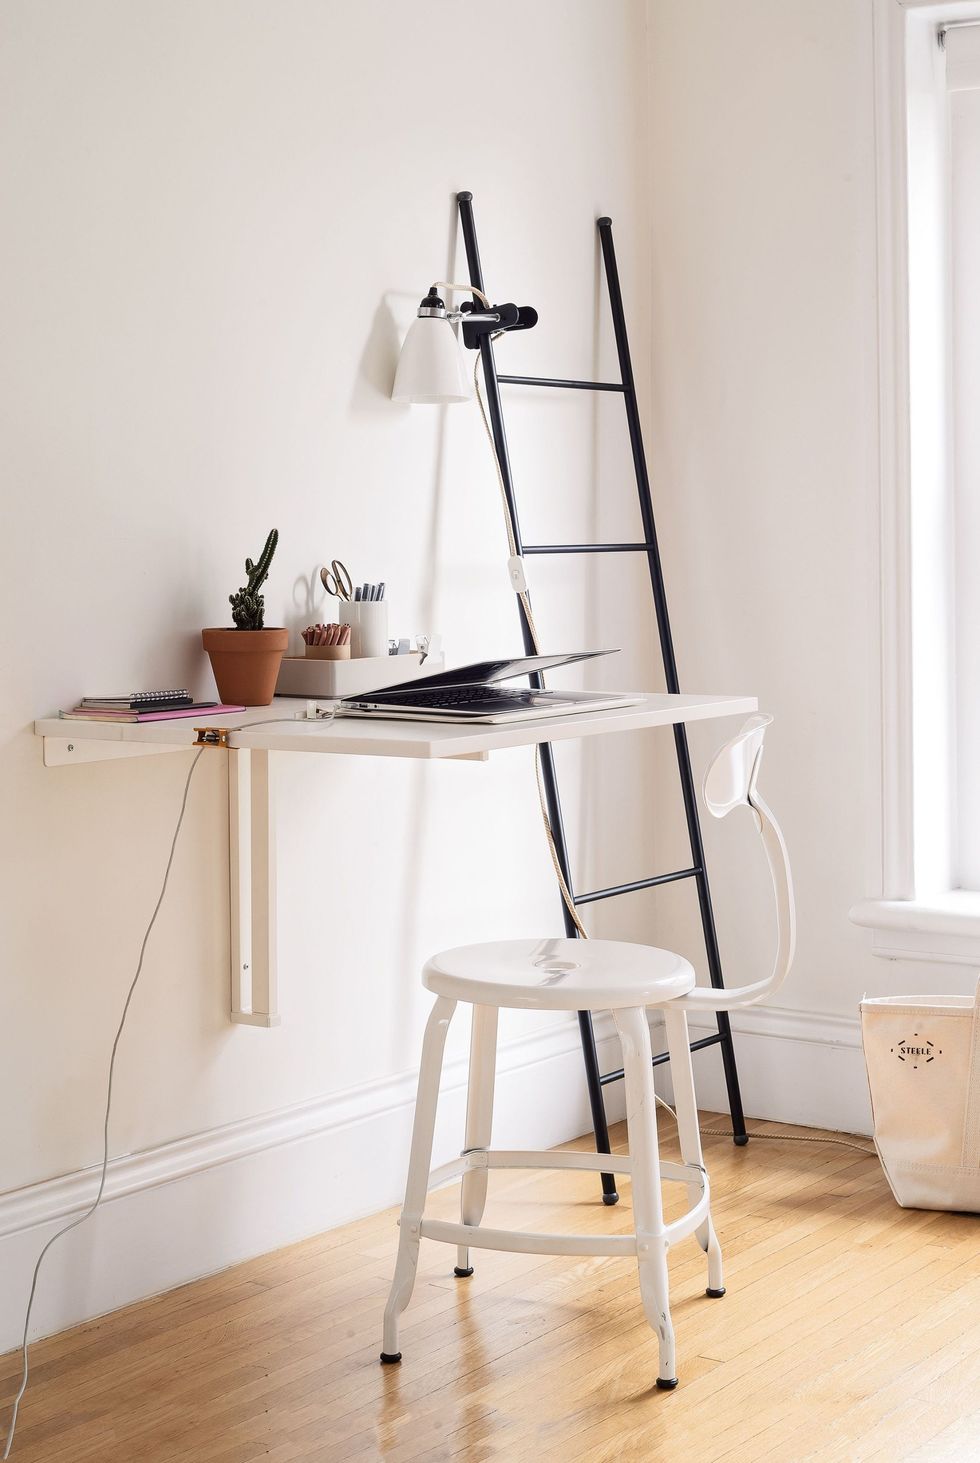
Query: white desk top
{"type": "Point", "coordinates": [358, 736]}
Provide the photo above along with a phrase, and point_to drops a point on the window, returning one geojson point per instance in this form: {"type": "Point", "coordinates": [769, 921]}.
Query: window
{"type": "Point", "coordinates": [928, 116]}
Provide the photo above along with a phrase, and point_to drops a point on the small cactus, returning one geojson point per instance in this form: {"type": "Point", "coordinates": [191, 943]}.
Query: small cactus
{"type": "Point", "coordinates": [248, 606]}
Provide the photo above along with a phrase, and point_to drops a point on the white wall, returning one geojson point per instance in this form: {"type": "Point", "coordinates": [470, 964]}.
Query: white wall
{"type": "Point", "coordinates": [219, 217]}
{"type": "Point", "coordinates": [764, 423]}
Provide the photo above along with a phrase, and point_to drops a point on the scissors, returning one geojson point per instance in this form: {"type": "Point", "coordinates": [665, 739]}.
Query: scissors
{"type": "Point", "coordinates": [339, 582]}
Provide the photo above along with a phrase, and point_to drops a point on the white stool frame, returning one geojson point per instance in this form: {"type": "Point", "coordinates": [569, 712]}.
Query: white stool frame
{"type": "Point", "coordinates": [730, 782]}
{"type": "Point", "coordinates": [653, 1236]}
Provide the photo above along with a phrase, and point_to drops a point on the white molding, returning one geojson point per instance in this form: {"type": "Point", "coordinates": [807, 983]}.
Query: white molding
{"type": "Point", "coordinates": [197, 1205]}
{"type": "Point", "coordinates": [944, 928]}
{"type": "Point", "coordinates": [194, 1206]}
{"type": "Point", "coordinates": [785, 1023]}
{"type": "Point", "coordinates": [894, 475]}
{"type": "Point", "coordinates": [917, 795]}
{"type": "Point", "coordinates": [824, 1086]}
{"type": "Point", "coordinates": [60, 1198]}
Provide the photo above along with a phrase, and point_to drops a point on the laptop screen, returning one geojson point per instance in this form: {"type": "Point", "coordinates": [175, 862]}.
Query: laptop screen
{"type": "Point", "coordinates": [483, 672]}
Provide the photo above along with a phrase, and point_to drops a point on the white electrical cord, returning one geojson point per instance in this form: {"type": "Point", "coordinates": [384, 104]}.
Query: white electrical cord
{"type": "Point", "coordinates": [322, 716]}
{"type": "Point", "coordinates": [108, 1109]}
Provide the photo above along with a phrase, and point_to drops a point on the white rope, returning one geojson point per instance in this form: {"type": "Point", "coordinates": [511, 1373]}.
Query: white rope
{"type": "Point", "coordinates": [524, 598]}
{"type": "Point", "coordinates": [776, 1137]}
{"type": "Point", "coordinates": [447, 284]}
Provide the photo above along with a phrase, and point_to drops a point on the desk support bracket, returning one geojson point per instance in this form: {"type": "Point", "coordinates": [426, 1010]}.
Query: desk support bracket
{"type": "Point", "coordinates": [253, 904]}
{"type": "Point", "coordinates": [63, 751]}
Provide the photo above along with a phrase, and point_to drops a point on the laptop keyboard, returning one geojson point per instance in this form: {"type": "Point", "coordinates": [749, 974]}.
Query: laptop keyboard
{"type": "Point", "coordinates": [462, 698]}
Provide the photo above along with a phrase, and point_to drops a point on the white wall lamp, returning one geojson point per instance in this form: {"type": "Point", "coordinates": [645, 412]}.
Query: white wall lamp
{"type": "Point", "coordinates": [432, 367]}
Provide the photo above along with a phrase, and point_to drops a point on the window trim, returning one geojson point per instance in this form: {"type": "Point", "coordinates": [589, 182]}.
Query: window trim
{"type": "Point", "coordinates": [906, 923]}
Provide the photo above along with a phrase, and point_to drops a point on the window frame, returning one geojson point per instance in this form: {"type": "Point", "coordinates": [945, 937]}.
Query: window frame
{"type": "Point", "coordinates": [918, 915]}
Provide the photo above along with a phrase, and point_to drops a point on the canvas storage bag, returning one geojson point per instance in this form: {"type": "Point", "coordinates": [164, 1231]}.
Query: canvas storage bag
{"type": "Point", "coordinates": [923, 1056]}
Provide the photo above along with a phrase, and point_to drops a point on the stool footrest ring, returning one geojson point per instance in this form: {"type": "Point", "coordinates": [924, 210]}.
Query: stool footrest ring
{"type": "Point", "coordinates": [477, 1236]}
{"type": "Point", "coordinates": [521, 1241]}
{"type": "Point", "coordinates": [682, 1173]}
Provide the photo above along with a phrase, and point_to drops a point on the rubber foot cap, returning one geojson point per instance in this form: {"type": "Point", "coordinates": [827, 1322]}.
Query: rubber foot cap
{"type": "Point", "coordinates": [666, 1384]}
{"type": "Point", "coordinates": [715, 1294]}
{"type": "Point", "coordinates": [389, 1360]}
{"type": "Point", "coordinates": [741, 1140]}
{"type": "Point", "coordinates": [462, 1273]}
{"type": "Point", "coordinates": [610, 1199]}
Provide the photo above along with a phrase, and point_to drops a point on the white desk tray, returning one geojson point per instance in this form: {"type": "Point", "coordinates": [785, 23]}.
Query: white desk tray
{"type": "Point", "coordinates": [328, 679]}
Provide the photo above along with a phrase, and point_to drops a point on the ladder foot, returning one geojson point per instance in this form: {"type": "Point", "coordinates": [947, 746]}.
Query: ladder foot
{"type": "Point", "coordinates": [740, 1140]}
{"type": "Point", "coordinates": [462, 1274]}
{"type": "Point", "coordinates": [610, 1199]}
{"type": "Point", "coordinates": [389, 1360]}
{"type": "Point", "coordinates": [715, 1294]}
{"type": "Point", "coordinates": [666, 1384]}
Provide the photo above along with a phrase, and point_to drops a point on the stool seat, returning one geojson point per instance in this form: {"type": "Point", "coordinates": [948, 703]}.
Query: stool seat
{"type": "Point", "coordinates": [587, 976]}
{"type": "Point", "coordinates": [559, 975]}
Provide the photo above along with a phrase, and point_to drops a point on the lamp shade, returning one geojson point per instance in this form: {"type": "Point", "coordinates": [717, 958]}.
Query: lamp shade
{"type": "Point", "coordinates": [431, 366]}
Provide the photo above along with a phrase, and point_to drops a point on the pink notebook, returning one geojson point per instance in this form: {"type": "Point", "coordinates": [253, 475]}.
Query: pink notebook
{"type": "Point", "coordinates": [204, 711]}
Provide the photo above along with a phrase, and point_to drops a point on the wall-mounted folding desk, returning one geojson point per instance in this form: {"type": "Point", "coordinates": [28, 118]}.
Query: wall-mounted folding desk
{"type": "Point", "coordinates": [254, 735]}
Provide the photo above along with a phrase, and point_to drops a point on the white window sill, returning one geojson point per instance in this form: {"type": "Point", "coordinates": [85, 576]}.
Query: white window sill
{"type": "Point", "coordinates": [943, 927]}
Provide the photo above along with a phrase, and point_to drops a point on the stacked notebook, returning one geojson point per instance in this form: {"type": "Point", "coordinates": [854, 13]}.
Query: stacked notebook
{"type": "Point", "coordinates": [144, 706]}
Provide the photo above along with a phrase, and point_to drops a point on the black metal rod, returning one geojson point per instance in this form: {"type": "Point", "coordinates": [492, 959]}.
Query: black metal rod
{"type": "Point", "coordinates": [670, 669]}
{"type": "Point", "coordinates": [662, 1057]}
{"type": "Point", "coordinates": [552, 801]}
{"type": "Point", "coordinates": [559, 382]}
{"type": "Point", "coordinates": [650, 883]}
{"type": "Point", "coordinates": [585, 548]}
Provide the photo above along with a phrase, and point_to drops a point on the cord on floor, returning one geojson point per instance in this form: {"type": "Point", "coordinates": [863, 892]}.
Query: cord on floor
{"type": "Point", "coordinates": [108, 1109]}
{"type": "Point", "coordinates": [776, 1137]}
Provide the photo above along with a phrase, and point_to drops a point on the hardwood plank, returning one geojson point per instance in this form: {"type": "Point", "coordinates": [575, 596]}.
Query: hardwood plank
{"type": "Point", "coordinates": [814, 1352]}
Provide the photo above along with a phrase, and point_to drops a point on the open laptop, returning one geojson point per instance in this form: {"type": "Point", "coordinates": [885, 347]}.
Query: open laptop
{"type": "Point", "coordinates": [473, 693]}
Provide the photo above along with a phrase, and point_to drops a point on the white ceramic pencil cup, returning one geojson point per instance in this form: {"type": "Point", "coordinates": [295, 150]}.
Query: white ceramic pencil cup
{"type": "Point", "coordinates": [368, 620]}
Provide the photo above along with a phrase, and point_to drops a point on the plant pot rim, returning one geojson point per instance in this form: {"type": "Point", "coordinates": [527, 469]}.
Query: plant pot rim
{"type": "Point", "coordinates": [234, 630]}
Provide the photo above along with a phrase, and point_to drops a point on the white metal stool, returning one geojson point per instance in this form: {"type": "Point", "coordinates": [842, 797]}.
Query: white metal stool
{"type": "Point", "coordinates": [575, 975]}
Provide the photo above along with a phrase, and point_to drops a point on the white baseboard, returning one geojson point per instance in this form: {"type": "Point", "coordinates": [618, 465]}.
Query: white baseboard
{"type": "Point", "coordinates": [793, 1067]}
{"type": "Point", "coordinates": [194, 1206]}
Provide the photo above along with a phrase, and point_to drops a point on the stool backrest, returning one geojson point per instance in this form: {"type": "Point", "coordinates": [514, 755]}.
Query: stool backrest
{"type": "Point", "coordinates": [731, 782]}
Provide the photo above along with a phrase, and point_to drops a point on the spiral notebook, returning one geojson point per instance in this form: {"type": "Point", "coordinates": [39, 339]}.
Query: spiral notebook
{"type": "Point", "coordinates": [197, 708]}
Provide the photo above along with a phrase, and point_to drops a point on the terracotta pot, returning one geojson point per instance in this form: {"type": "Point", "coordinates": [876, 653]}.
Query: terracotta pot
{"type": "Point", "coordinates": [246, 663]}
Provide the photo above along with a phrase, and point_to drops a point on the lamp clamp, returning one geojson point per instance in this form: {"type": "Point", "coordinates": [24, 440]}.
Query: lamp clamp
{"type": "Point", "coordinates": [477, 323]}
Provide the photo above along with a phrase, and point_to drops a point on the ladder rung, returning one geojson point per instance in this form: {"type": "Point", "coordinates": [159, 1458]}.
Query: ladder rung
{"type": "Point", "coordinates": [558, 381]}
{"type": "Point", "coordinates": [650, 883]}
{"type": "Point", "coordinates": [662, 1057]}
{"type": "Point", "coordinates": [586, 548]}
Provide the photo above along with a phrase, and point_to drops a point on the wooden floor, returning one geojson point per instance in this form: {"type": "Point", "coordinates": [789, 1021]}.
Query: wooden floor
{"type": "Point", "coordinates": [850, 1332]}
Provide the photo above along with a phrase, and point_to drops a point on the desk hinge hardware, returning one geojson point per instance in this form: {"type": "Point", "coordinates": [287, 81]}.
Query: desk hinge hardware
{"type": "Point", "coordinates": [211, 736]}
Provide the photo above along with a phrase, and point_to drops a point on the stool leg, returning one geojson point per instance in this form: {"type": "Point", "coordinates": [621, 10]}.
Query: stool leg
{"type": "Point", "coordinates": [479, 1121]}
{"type": "Point", "coordinates": [685, 1102]}
{"type": "Point", "coordinates": [648, 1213]}
{"type": "Point", "coordinates": [419, 1165]}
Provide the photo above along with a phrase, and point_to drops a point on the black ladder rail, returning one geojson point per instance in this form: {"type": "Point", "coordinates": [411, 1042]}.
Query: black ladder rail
{"type": "Point", "coordinates": [552, 800]}
{"type": "Point", "coordinates": [645, 496]}
{"type": "Point", "coordinates": [649, 545]}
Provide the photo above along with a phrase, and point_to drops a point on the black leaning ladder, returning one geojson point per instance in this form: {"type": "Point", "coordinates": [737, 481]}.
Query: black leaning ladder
{"type": "Point", "coordinates": [697, 871]}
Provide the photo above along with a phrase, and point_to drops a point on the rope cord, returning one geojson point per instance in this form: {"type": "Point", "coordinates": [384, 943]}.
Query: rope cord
{"type": "Point", "coordinates": [108, 1109]}
{"type": "Point", "coordinates": [447, 284]}
{"type": "Point", "coordinates": [776, 1137]}
{"type": "Point", "coordinates": [563, 886]}
{"type": "Point", "coordinates": [525, 600]}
